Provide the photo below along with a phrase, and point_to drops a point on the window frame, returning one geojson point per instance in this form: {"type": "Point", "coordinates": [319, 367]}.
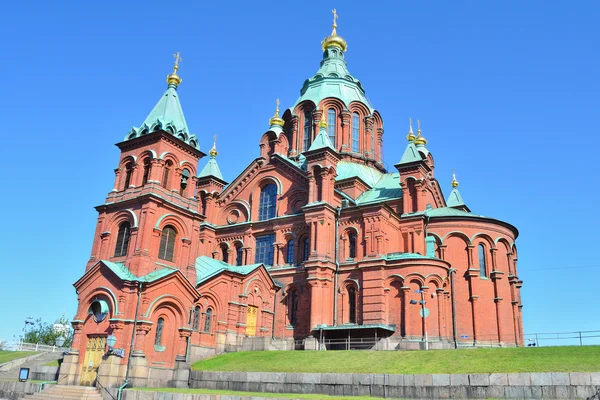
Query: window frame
{"type": "Point", "coordinates": [167, 245]}
{"type": "Point", "coordinates": [355, 132]}
{"type": "Point", "coordinates": [267, 203]}
{"type": "Point", "coordinates": [123, 237]}
{"type": "Point", "coordinates": [481, 254]}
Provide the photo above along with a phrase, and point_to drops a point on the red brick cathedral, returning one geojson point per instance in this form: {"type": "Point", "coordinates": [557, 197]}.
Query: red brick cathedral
{"type": "Point", "coordinates": [313, 241]}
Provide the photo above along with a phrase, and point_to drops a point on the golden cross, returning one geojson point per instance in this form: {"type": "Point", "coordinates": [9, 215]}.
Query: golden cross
{"type": "Point", "coordinates": [177, 60]}
{"type": "Point", "coordinates": [215, 139]}
{"type": "Point", "coordinates": [335, 17]}
{"type": "Point", "coordinates": [418, 125]}
{"type": "Point", "coordinates": [410, 123]}
{"type": "Point", "coordinates": [277, 106]}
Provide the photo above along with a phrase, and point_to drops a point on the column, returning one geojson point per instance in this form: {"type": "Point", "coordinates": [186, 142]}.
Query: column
{"type": "Point", "coordinates": [405, 330]}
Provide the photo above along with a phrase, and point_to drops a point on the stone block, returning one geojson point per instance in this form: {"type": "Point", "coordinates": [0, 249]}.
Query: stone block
{"type": "Point", "coordinates": [595, 378]}
{"type": "Point", "coordinates": [479, 380]}
{"type": "Point", "coordinates": [441, 392]}
{"type": "Point", "coordinates": [536, 392]}
{"type": "Point", "coordinates": [310, 378]}
{"type": "Point", "coordinates": [498, 380]}
{"type": "Point", "coordinates": [395, 380]}
{"type": "Point", "coordinates": [440, 380]}
{"type": "Point", "coordinates": [580, 378]}
{"type": "Point", "coordinates": [254, 377]}
{"type": "Point", "coordinates": [514, 392]}
{"type": "Point", "coordinates": [459, 380]}
{"type": "Point", "coordinates": [343, 379]}
{"type": "Point", "coordinates": [476, 392]}
{"type": "Point", "coordinates": [361, 379]}
{"type": "Point", "coordinates": [378, 379]}
{"type": "Point", "coordinates": [239, 376]}
{"type": "Point", "coordinates": [328, 379]}
{"type": "Point", "coordinates": [560, 378]}
{"type": "Point", "coordinates": [541, 378]}
{"type": "Point", "coordinates": [494, 392]}
{"type": "Point", "coordinates": [584, 392]}
{"type": "Point", "coordinates": [409, 380]}
{"type": "Point", "coordinates": [423, 380]}
{"type": "Point", "coordinates": [378, 390]}
{"type": "Point", "coordinates": [519, 379]}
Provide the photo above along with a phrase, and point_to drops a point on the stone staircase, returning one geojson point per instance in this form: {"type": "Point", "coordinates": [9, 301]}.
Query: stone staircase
{"type": "Point", "coordinates": [66, 392]}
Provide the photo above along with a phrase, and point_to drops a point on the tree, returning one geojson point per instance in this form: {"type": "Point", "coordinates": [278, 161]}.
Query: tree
{"type": "Point", "coordinates": [45, 333]}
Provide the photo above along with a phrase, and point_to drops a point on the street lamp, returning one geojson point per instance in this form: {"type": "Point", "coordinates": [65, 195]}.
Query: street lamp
{"type": "Point", "coordinates": [424, 313]}
{"type": "Point", "coordinates": [111, 340]}
{"type": "Point", "coordinates": [60, 341]}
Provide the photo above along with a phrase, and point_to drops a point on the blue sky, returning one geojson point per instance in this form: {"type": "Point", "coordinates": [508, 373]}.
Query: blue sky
{"type": "Point", "coordinates": [507, 94]}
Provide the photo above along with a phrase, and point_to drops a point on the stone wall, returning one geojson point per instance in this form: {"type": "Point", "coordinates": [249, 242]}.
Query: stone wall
{"type": "Point", "coordinates": [17, 390]}
{"type": "Point", "coordinates": [555, 385]}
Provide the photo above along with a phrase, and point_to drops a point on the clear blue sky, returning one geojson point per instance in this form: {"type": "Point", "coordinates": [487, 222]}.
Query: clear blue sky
{"type": "Point", "coordinates": [507, 93]}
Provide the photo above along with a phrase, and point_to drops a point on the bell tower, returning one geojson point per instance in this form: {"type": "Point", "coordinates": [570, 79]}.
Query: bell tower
{"type": "Point", "coordinates": [151, 217]}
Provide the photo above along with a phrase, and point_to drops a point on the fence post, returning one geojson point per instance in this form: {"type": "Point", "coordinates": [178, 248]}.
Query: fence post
{"type": "Point", "coordinates": [36, 346]}
{"type": "Point", "coordinates": [580, 341]}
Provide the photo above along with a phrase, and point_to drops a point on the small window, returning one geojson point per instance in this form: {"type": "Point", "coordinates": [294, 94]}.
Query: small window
{"type": "Point", "coordinates": [264, 249]}
{"type": "Point", "coordinates": [159, 330]}
{"type": "Point", "coordinates": [99, 310]}
{"type": "Point", "coordinates": [166, 173]}
{"type": "Point", "coordinates": [239, 255]}
{"type": "Point", "coordinates": [167, 244]}
{"type": "Point", "coordinates": [147, 167]}
{"type": "Point", "coordinates": [225, 254]}
{"type": "Point", "coordinates": [305, 248]}
{"type": "Point", "coordinates": [290, 252]}
{"type": "Point", "coordinates": [122, 239]}
{"type": "Point", "coordinates": [351, 305]}
{"type": "Point", "coordinates": [185, 176]}
{"type": "Point", "coordinates": [293, 307]}
{"type": "Point", "coordinates": [128, 172]}
{"type": "Point", "coordinates": [331, 122]}
{"type": "Point", "coordinates": [267, 207]}
{"type": "Point", "coordinates": [482, 266]}
{"type": "Point", "coordinates": [355, 132]}
{"type": "Point", "coordinates": [307, 130]}
{"type": "Point", "coordinates": [208, 320]}
{"type": "Point", "coordinates": [196, 318]}
{"type": "Point", "coordinates": [352, 245]}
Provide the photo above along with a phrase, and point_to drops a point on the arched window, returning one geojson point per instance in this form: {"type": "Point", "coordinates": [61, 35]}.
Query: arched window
{"type": "Point", "coordinates": [196, 318]}
{"type": "Point", "coordinates": [185, 176]}
{"type": "Point", "coordinates": [159, 330]}
{"type": "Point", "coordinates": [147, 166]}
{"type": "Point", "coordinates": [305, 248]}
{"type": "Point", "coordinates": [482, 266]}
{"type": "Point", "coordinates": [293, 307]}
{"type": "Point", "coordinates": [268, 202]}
{"type": "Point", "coordinates": [128, 172]}
{"type": "Point", "coordinates": [307, 130]}
{"type": "Point", "coordinates": [122, 239]}
{"type": "Point", "coordinates": [355, 132]}
{"type": "Point", "coordinates": [351, 305]}
{"type": "Point", "coordinates": [167, 243]}
{"type": "Point", "coordinates": [225, 254]}
{"type": "Point", "coordinates": [352, 245]}
{"type": "Point", "coordinates": [290, 252]}
{"type": "Point", "coordinates": [238, 255]}
{"type": "Point", "coordinates": [166, 173]}
{"type": "Point", "coordinates": [331, 122]}
{"type": "Point", "coordinates": [208, 320]}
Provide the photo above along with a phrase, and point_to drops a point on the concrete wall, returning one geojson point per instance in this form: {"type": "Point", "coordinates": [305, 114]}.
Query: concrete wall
{"type": "Point", "coordinates": [41, 373]}
{"type": "Point", "coordinates": [139, 395]}
{"type": "Point", "coordinates": [17, 390]}
{"type": "Point", "coordinates": [556, 385]}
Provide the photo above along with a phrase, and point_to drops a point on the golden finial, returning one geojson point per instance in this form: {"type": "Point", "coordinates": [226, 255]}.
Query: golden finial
{"type": "Point", "coordinates": [323, 122]}
{"type": "Point", "coordinates": [334, 39]}
{"type": "Point", "coordinates": [213, 152]}
{"type": "Point", "coordinates": [411, 136]}
{"type": "Point", "coordinates": [174, 79]}
{"type": "Point", "coordinates": [275, 119]}
{"type": "Point", "coordinates": [419, 140]}
{"type": "Point", "coordinates": [454, 182]}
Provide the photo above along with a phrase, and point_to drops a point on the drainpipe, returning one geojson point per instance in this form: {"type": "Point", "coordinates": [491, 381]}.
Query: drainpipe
{"type": "Point", "coordinates": [338, 212]}
{"type": "Point", "coordinates": [274, 311]}
{"type": "Point", "coordinates": [120, 391]}
{"type": "Point", "coordinates": [452, 271]}
{"type": "Point", "coordinates": [135, 320]}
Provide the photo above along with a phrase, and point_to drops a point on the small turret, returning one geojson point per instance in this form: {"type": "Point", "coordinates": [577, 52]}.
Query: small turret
{"type": "Point", "coordinates": [455, 200]}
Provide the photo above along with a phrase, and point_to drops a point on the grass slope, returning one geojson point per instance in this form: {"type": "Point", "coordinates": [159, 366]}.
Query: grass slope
{"type": "Point", "coordinates": [524, 359]}
{"type": "Point", "coordinates": [271, 395]}
{"type": "Point", "coordinates": [6, 356]}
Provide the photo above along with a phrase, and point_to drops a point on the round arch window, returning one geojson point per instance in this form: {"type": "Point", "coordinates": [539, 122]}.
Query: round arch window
{"type": "Point", "coordinates": [98, 310]}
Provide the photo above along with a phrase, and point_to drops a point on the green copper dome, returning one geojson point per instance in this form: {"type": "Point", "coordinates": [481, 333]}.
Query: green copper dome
{"type": "Point", "coordinates": [333, 80]}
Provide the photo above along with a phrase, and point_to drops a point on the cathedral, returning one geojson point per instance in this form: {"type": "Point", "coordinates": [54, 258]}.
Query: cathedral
{"type": "Point", "coordinates": [314, 245]}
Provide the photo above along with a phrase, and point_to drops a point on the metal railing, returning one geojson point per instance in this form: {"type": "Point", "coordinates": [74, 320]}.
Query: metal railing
{"type": "Point", "coordinates": [22, 346]}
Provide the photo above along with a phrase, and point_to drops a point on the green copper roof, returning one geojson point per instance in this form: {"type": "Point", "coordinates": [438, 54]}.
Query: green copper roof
{"type": "Point", "coordinates": [321, 141]}
{"type": "Point", "coordinates": [347, 169]}
{"type": "Point", "coordinates": [207, 267]}
{"type": "Point", "coordinates": [166, 115]}
{"type": "Point", "coordinates": [387, 188]}
{"type": "Point", "coordinates": [450, 212]}
{"type": "Point", "coordinates": [333, 80]}
{"type": "Point", "coordinates": [411, 154]}
{"type": "Point", "coordinates": [211, 169]}
{"type": "Point", "coordinates": [455, 199]}
{"type": "Point", "coordinates": [124, 274]}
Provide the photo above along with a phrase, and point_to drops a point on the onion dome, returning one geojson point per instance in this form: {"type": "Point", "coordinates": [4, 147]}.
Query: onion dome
{"type": "Point", "coordinates": [419, 140]}
{"type": "Point", "coordinates": [174, 79]}
{"type": "Point", "coordinates": [334, 39]}
{"type": "Point", "coordinates": [454, 182]}
{"type": "Point", "coordinates": [275, 119]}
{"type": "Point", "coordinates": [411, 136]}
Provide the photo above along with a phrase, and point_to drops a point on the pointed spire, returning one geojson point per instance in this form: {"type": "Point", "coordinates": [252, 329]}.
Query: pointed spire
{"type": "Point", "coordinates": [275, 119]}
{"type": "Point", "coordinates": [455, 199]}
{"type": "Point", "coordinates": [411, 136]}
{"type": "Point", "coordinates": [322, 139]}
{"type": "Point", "coordinates": [211, 169]}
{"type": "Point", "coordinates": [420, 140]}
{"type": "Point", "coordinates": [174, 79]}
{"type": "Point", "coordinates": [334, 39]}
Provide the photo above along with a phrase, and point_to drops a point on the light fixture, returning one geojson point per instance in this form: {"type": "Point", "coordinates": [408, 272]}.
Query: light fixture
{"type": "Point", "coordinates": [60, 341]}
{"type": "Point", "coordinates": [111, 340]}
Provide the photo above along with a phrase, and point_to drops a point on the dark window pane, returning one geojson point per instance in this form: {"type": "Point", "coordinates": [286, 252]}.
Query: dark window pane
{"type": "Point", "coordinates": [167, 244]}
{"type": "Point", "coordinates": [122, 240]}
{"type": "Point", "coordinates": [268, 202]}
{"type": "Point", "coordinates": [264, 249]}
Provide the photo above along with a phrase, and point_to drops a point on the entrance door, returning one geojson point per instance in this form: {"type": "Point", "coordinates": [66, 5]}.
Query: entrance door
{"type": "Point", "coordinates": [251, 320]}
{"type": "Point", "coordinates": [93, 356]}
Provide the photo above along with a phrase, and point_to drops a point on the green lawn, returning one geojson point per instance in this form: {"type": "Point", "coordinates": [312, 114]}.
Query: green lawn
{"type": "Point", "coordinates": [276, 395]}
{"type": "Point", "coordinates": [524, 359]}
{"type": "Point", "coordinates": [51, 364]}
{"type": "Point", "coordinates": [6, 356]}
